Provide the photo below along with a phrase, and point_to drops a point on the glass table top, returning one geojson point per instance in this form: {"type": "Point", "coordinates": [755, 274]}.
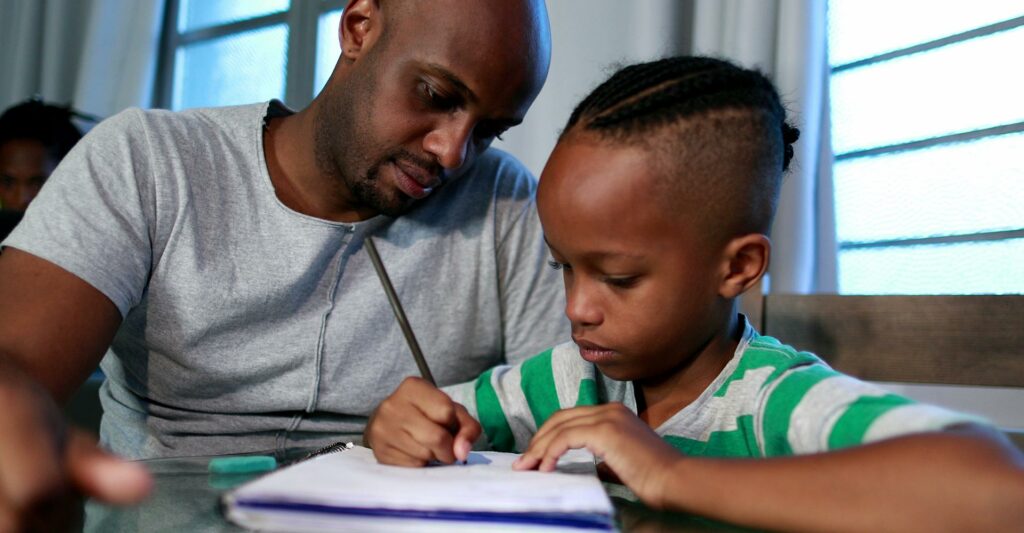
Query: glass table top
{"type": "Point", "coordinates": [186, 496]}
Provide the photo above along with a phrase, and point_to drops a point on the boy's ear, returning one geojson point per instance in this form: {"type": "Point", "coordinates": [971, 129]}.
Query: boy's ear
{"type": "Point", "coordinates": [745, 261]}
{"type": "Point", "coordinates": [361, 25]}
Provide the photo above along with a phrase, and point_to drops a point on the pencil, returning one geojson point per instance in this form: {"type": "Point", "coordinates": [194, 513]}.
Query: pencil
{"type": "Point", "coordinates": [396, 306]}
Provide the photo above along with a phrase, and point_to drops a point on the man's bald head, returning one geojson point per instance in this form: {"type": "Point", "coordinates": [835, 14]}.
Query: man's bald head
{"type": "Point", "coordinates": [516, 33]}
{"type": "Point", "coordinates": [424, 85]}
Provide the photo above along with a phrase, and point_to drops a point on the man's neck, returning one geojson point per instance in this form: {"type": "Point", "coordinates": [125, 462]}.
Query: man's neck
{"type": "Point", "coordinates": [288, 144]}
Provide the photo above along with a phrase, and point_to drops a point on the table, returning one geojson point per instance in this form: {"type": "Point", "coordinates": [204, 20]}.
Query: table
{"type": "Point", "coordinates": [186, 498]}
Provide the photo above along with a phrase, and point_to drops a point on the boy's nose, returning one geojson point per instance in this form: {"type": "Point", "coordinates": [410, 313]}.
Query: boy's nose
{"type": "Point", "coordinates": [581, 308]}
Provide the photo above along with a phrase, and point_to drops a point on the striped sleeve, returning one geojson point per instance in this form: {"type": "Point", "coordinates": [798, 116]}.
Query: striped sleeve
{"type": "Point", "coordinates": [512, 401]}
{"type": "Point", "coordinates": [812, 408]}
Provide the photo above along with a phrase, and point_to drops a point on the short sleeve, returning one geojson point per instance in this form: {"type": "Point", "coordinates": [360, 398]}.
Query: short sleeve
{"type": "Point", "coordinates": [812, 409]}
{"type": "Point", "coordinates": [90, 218]}
{"type": "Point", "coordinates": [512, 401]}
{"type": "Point", "coordinates": [532, 296]}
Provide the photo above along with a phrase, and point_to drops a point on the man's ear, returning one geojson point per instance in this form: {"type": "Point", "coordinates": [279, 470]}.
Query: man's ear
{"type": "Point", "coordinates": [361, 25]}
{"type": "Point", "coordinates": [745, 261]}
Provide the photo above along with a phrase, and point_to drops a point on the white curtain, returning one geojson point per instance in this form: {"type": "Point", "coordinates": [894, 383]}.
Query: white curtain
{"type": "Point", "coordinates": [40, 41]}
{"type": "Point", "coordinates": [590, 39]}
{"type": "Point", "coordinates": [98, 55]}
{"type": "Point", "coordinates": [786, 39]}
{"type": "Point", "coordinates": [120, 55]}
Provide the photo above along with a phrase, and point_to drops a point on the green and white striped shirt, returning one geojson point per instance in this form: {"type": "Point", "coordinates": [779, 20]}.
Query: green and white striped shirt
{"type": "Point", "coordinates": [769, 400]}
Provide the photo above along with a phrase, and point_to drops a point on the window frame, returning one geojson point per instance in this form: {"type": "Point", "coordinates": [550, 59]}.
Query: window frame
{"type": "Point", "coordinates": [940, 140]}
{"type": "Point", "coordinates": [301, 18]}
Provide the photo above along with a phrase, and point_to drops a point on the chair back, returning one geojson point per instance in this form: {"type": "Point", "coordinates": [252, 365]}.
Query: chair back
{"type": "Point", "coordinates": [943, 340]}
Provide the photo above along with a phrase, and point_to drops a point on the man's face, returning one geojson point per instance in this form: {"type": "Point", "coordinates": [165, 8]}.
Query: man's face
{"type": "Point", "coordinates": [420, 103]}
{"type": "Point", "coordinates": [24, 167]}
{"type": "Point", "coordinates": [640, 282]}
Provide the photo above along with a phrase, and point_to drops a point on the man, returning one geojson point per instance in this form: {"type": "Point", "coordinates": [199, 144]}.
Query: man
{"type": "Point", "coordinates": [219, 253]}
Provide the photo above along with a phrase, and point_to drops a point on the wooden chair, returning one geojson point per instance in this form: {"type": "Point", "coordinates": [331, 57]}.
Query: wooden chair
{"type": "Point", "coordinates": [976, 341]}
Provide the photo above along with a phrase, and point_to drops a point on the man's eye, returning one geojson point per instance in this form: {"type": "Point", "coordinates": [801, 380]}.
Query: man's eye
{"type": "Point", "coordinates": [435, 98]}
{"type": "Point", "coordinates": [485, 132]}
{"type": "Point", "coordinates": [621, 282]}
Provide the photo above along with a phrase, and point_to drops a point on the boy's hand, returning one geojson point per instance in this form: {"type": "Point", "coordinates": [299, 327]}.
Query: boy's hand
{"type": "Point", "coordinates": [634, 453]}
{"type": "Point", "coordinates": [418, 424]}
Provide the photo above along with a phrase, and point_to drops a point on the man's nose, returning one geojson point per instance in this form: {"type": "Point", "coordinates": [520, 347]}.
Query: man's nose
{"type": "Point", "coordinates": [449, 142]}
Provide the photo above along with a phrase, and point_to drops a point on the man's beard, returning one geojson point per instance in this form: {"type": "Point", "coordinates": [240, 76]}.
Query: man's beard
{"type": "Point", "coordinates": [340, 154]}
{"type": "Point", "coordinates": [367, 191]}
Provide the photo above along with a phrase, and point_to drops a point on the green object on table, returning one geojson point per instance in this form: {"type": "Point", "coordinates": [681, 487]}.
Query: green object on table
{"type": "Point", "coordinates": [242, 465]}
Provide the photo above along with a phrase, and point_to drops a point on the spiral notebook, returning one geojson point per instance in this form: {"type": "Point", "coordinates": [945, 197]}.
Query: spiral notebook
{"type": "Point", "coordinates": [349, 491]}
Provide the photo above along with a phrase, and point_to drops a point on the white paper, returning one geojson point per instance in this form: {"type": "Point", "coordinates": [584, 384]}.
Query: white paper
{"type": "Point", "coordinates": [353, 478]}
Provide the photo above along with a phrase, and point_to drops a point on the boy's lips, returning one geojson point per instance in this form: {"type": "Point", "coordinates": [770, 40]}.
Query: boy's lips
{"type": "Point", "coordinates": [594, 353]}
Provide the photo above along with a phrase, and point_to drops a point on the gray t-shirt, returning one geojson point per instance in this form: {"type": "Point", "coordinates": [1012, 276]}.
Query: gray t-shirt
{"type": "Point", "coordinates": [249, 326]}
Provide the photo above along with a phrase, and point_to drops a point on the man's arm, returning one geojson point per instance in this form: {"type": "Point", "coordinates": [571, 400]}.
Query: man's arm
{"type": "Point", "coordinates": [54, 328]}
{"type": "Point", "coordinates": [53, 325]}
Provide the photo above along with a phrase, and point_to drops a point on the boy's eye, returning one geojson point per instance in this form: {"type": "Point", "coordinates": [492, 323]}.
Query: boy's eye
{"type": "Point", "coordinates": [559, 266]}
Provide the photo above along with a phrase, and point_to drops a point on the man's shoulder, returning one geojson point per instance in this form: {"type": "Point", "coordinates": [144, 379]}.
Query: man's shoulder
{"type": "Point", "coordinates": [190, 123]}
{"type": "Point", "coordinates": [500, 170]}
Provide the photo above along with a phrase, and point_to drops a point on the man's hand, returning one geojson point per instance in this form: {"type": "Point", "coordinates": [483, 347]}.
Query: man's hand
{"type": "Point", "coordinates": [637, 456]}
{"type": "Point", "coordinates": [418, 424]}
{"type": "Point", "coordinates": [46, 467]}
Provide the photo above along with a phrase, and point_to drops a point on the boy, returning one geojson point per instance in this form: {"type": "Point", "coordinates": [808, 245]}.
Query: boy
{"type": "Point", "coordinates": [656, 204]}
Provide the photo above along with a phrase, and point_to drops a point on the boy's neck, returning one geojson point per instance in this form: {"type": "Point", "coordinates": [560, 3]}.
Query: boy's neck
{"type": "Point", "coordinates": [659, 400]}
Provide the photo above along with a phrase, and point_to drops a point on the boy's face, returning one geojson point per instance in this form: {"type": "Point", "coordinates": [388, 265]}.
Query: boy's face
{"type": "Point", "coordinates": [640, 282]}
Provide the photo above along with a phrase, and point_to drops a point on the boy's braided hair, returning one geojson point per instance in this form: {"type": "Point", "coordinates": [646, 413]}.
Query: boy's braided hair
{"type": "Point", "coordinates": [648, 95]}
{"type": "Point", "coordinates": [708, 114]}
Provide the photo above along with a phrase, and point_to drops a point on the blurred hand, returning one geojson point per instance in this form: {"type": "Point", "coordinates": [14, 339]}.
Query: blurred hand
{"type": "Point", "coordinates": [631, 451]}
{"type": "Point", "coordinates": [418, 424]}
{"type": "Point", "coordinates": [46, 467]}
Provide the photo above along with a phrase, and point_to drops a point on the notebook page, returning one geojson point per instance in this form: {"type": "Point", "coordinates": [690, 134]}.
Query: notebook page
{"type": "Point", "coordinates": [352, 478]}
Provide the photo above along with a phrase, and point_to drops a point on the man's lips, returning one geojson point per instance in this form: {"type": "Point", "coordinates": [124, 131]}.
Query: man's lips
{"type": "Point", "coordinates": [423, 177]}
{"type": "Point", "coordinates": [594, 353]}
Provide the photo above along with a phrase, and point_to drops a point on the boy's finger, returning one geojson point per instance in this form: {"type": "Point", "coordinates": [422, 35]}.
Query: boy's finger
{"type": "Point", "coordinates": [435, 441]}
{"type": "Point", "coordinates": [566, 416]}
{"type": "Point", "coordinates": [433, 403]}
{"type": "Point", "coordinates": [553, 427]}
{"type": "Point", "coordinates": [571, 439]}
{"type": "Point", "coordinates": [469, 431]}
{"type": "Point", "coordinates": [406, 453]}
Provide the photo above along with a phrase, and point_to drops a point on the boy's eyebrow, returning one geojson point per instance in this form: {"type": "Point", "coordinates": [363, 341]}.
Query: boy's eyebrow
{"type": "Point", "coordinates": [599, 254]}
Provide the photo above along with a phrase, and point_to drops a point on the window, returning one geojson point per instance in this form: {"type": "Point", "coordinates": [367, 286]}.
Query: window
{"type": "Point", "coordinates": [928, 133]}
{"type": "Point", "coordinates": [225, 52]}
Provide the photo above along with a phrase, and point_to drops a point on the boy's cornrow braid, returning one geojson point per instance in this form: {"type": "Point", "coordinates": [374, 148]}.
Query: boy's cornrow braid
{"type": "Point", "coordinates": [635, 79]}
{"type": "Point", "coordinates": [688, 96]}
